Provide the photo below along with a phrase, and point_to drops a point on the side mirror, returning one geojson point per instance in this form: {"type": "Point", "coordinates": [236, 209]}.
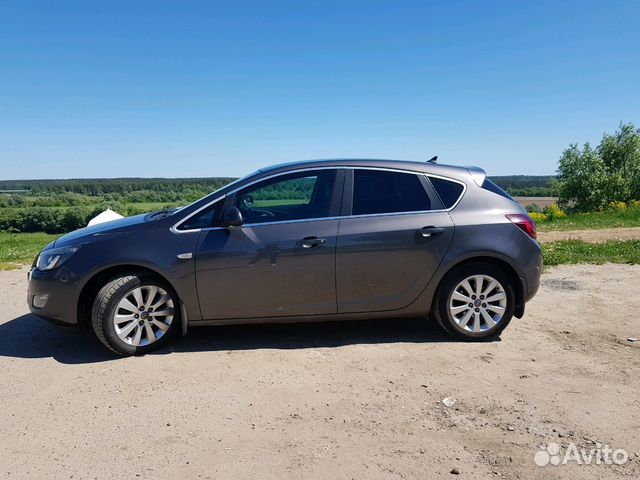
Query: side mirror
{"type": "Point", "coordinates": [232, 217]}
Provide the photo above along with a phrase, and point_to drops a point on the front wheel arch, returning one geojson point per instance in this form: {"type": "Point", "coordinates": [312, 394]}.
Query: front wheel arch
{"type": "Point", "coordinates": [98, 280]}
{"type": "Point", "coordinates": [135, 313]}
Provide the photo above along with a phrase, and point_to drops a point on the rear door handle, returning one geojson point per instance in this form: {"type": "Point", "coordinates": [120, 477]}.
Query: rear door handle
{"type": "Point", "coordinates": [427, 232]}
{"type": "Point", "coordinates": [310, 242]}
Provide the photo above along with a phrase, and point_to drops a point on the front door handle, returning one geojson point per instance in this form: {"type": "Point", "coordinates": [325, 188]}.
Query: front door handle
{"type": "Point", "coordinates": [427, 232]}
{"type": "Point", "coordinates": [310, 242]}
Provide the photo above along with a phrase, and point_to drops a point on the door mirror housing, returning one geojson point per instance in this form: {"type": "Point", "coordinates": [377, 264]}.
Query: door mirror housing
{"type": "Point", "coordinates": [232, 217]}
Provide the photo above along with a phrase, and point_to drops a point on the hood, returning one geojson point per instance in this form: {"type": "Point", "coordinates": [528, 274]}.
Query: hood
{"type": "Point", "coordinates": [115, 227]}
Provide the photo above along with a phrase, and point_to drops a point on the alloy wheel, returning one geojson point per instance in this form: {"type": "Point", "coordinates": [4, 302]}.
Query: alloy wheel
{"type": "Point", "coordinates": [478, 303]}
{"type": "Point", "coordinates": [143, 315]}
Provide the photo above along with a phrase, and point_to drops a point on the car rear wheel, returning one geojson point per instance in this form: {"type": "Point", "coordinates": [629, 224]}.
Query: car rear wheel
{"type": "Point", "coordinates": [475, 302]}
{"type": "Point", "coordinates": [135, 314]}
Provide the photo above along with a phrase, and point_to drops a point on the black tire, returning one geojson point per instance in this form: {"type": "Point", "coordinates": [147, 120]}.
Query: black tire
{"type": "Point", "coordinates": [446, 289]}
{"type": "Point", "coordinates": [108, 299]}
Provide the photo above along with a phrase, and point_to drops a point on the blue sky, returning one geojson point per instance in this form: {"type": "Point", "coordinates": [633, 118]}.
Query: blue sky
{"type": "Point", "coordinates": [113, 89]}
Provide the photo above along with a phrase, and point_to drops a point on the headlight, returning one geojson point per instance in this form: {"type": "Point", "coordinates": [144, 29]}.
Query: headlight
{"type": "Point", "coordinates": [53, 258]}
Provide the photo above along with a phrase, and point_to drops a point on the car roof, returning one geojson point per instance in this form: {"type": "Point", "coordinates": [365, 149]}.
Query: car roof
{"type": "Point", "coordinates": [454, 171]}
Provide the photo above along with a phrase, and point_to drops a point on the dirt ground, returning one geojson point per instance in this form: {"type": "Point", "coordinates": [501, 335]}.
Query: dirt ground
{"type": "Point", "coordinates": [591, 236]}
{"type": "Point", "coordinates": [540, 201]}
{"type": "Point", "coordinates": [350, 400]}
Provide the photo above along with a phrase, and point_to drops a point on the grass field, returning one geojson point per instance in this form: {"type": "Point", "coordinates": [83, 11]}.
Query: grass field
{"type": "Point", "coordinates": [540, 201]}
{"type": "Point", "coordinates": [153, 206]}
{"type": "Point", "coordinates": [596, 220]}
{"type": "Point", "coordinates": [21, 248]}
{"type": "Point", "coordinates": [139, 206]}
{"type": "Point", "coordinates": [576, 251]}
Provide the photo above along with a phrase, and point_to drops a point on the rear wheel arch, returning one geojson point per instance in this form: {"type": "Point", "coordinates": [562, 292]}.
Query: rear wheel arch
{"type": "Point", "coordinates": [99, 279]}
{"type": "Point", "coordinates": [505, 266]}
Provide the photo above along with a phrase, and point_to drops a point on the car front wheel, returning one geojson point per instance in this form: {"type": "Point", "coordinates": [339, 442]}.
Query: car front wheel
{"type": "Point", "coordinates": [475, 302]}
{"type": "Point", "coordinates": [135, 314]}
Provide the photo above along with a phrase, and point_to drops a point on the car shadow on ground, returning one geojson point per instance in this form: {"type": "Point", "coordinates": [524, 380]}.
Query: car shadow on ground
{"type": "Point", "coordinates": [31, 337]}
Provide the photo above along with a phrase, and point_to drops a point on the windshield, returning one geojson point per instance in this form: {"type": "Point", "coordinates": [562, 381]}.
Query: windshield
{"type": "Point", "coordinates": [172, 211]}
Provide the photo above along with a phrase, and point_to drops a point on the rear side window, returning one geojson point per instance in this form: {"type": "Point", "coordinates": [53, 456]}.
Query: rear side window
{"type": "Point", "coordinates": [448, 191]}
{"type": "Point", "coordinates": [376, 191]}
{"type": "Point", "coordinates": [492, 187]}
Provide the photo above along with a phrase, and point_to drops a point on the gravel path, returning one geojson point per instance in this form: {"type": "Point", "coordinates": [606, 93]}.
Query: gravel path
{"type": "Point", "coordinates": [591, 236]}
{"type": "Point", "coordinates": [350, 400]}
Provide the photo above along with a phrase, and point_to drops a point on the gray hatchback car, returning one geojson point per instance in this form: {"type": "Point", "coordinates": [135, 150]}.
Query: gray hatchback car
{"type": "Point", "coordinates": [306, 241]}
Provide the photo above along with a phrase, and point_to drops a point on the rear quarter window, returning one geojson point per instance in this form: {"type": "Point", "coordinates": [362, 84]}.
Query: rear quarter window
{"type": "Point", "coordinates": [448, 191]}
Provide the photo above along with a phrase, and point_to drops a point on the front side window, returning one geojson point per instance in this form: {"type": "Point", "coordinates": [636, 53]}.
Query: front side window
{"type": "Point", "coordinates": [204, 219]}
{"type": "Point", "coordinates": [295, 196]}
{"type": "Point", "coordinates": [377, 191]}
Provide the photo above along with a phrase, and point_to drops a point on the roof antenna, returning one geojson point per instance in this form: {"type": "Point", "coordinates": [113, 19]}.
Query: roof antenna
{"type": "Point", "coordinates": [433, 160]}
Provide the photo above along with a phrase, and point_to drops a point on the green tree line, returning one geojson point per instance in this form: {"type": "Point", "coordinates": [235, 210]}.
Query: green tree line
{"type": "Point", "coordinates": [59, 220]}
{"type": "Point", "coordinates": [595, 178]}
{"type": "Point", "coordinates": [118, 186]}
{"type": "Point", "coordinates": [69, 199]}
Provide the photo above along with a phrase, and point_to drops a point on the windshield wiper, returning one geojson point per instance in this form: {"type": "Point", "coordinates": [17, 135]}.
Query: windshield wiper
{"type": "Point", "coordinates": [162, 213]}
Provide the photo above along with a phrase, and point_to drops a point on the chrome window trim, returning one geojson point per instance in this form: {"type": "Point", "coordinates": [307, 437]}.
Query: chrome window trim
{"type": "Point", "coordinates": [174, 228]}
{"type": "Point", "coordinates": [390, 214]}
{"type": "Point", "coordinates": [279, 222]}
{"type": "Point", "coordinates": [448, 179]}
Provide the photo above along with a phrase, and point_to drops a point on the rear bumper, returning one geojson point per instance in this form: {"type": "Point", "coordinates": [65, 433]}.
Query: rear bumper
{"type": "Point", "coordinates": [61, 294]}
{"type": "Point", "coordinates": [532, 273]}
{"type": "Point", "coordinates": [529, 277]}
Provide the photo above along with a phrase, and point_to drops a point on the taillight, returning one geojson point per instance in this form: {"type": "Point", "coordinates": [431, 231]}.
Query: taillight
{"type": "Point", "coordinates": [524, 222]}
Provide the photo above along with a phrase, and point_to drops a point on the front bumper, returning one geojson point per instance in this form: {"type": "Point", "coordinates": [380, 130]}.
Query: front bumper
{"type": "Point", "coordinates": [61, 296]}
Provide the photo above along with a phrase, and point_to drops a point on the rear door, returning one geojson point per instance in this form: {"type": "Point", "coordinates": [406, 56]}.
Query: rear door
{"type": "Point", "coordinates": [391, 239]}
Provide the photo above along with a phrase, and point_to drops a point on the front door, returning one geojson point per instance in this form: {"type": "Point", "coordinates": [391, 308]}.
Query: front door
{"type": "Point", "coordinates": [281, 261]}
